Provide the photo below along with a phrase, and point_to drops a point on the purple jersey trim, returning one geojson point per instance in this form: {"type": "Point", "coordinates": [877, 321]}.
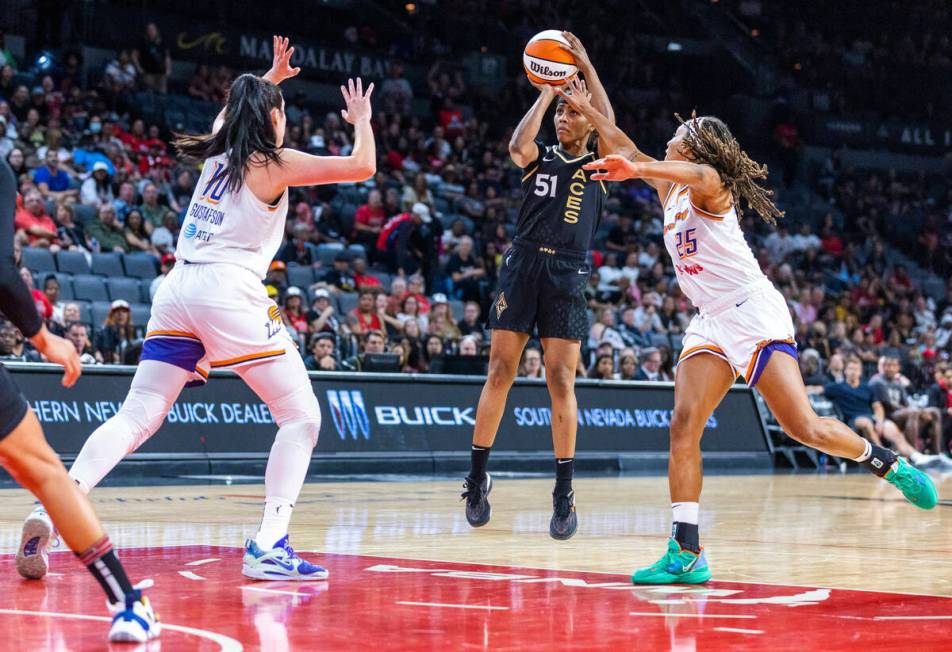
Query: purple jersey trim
{"type": "Point", "coordinates": [183, 353]}
{"type": "Point", "coordinates": [765, 353]}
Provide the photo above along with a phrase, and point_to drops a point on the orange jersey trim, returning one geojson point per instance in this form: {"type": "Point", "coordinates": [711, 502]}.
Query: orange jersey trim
{"type": "Point", "coordinates": [252, 357]}
{"type": "Point", "coordinates": [756, 356]}
{"type": "Point", "coordinates": [171, 334]}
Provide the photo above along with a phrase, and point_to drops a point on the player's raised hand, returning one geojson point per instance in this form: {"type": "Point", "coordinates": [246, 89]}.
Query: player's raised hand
{"type": "Point", "coordinates": [577, 50]}
{"type": "Point", "coordinates": [576, 95]}
{"type": "Point", "coordinates": [613, 168]}
{"type": "Point", "coordinates": [281, 63]}
{"type": "Point", "coordinates": [358, 102]}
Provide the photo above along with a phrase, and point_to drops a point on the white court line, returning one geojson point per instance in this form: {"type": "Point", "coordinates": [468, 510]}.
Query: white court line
{"type": "Point", "coordinates": [189, 575]}
{"type": "Point", "coordinates": [912, 618]}
{"type": "Point", "coordinates": [452, 606]}
{"type": "Point", "coordinates": [737, 630]}
{"type": "Point", "coordinates": [225, 643]}
{"type": "Point", "coordinates": [260, 590]}
{"type": "Point", "coordinates": [654, 613]}
{"type": "Point", "coordinates": [199, 562]}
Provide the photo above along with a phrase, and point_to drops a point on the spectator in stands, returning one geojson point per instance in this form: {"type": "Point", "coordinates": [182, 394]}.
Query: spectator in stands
{"type": "Point", "coordinates": [14, 347]}
{"type": "Point", "coordinates": [650, 365]}
{"type": "Point", "coordinates": [364, 317]}
{"type": "Point", "coordinates": [471, 323]}
{"type": "Point", "coordinates": [321, 317]}
{"type": "Point", "coordinates": [627, 366]}
{"type": "Point", "coordinates": [467, 271]}
{"type": "Point", "coordinates": [293, 311]}
{"type": "Point", "coordinates": [152, 210]}
{"type": "Point", "coordinates": [368, 221]}
{"type": "Point", "coordinates": [7, 59]}
{"type": "Point", "coordinates": [396, 94]}
{"type": "Point", "coordinates": [106, 233]}
{"type": "Point", "coordinates": [341, 277]}
{"type": "Point", "coordinates": [410, 311]}
{"type": "Point", "coordinates": [166, 264]}
{"type": "Point", "coordinates": [120, 74]}
{"type": "Point", "coordinates": [51, 180]}
{"type": "Point", "coordinates": [34, 226]}
{"type": "Point", "coordinates": [126, 200]}
{"type": "Point", "coordinates": [277, 276]}
{"type": "Point", "coordinates": [393, 327]}
{"type": "Point", "coordinates": [76, 333]}
{"type": "Point", "coordinates": [603, 330]}
{"type": "Point", "coordinates": [97, 188]}
{"type": "Point", "coordinates": [116, 334]}
{"type": "Point", "coordinates": [604, 368]}
{"type": "Point", "coordinates": [418, 193]}
{"type": "Point", "coordinates": [531, 363]}
{"type": "Point", "coordinates": [135, 233]}
{"type": "Point", "coordinates": [201, 87]}
{"type": "Point", "coordinates": [415, 287]}
{"type": "Point", "coordinates": [434, 348]}
{"type": "Point", "coordinates": [441, 320]}
{"type": "Point", "coordinates": [51, 288]}
{"type": "Point", "coordinates": [891, 393]}
{"type": "Point", "coordinates": [153, 60]}
{"type": "Point", "coordinates": [322, 356]}
{"type": "Point", "coordinates": [468, 346]}
{"type": "Point", "coordinates": [362, 277]}
{"type": "Point", "coordinates": [835, 369]}
{"type": "Point", "coordinates": [299, 249]}
{"type": "Point", "coordinates": [373, 341]}
{"type": "Point", "coordinates": [163, 238]}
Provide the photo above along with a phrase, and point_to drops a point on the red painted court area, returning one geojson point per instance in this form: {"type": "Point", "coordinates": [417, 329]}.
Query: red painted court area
{"type": "Point", "coordinates": [397, 604]}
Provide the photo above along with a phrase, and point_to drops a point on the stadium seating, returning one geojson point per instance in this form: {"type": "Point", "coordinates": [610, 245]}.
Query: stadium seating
{"type": "Point", "coordinates": [140, 265]}
{"type": "Point", "coordinates": [108, 264]}
{"type": "Point", "coordinates": [300, 276]}
{"type": "Point", "coordinates": [72, 262]}
{"type": "Point", "coordinates": [89, 288]}
{"type": "Point", "coordinates": [38, 260]}
{"type": "Point", "coordinates": [124, 288]}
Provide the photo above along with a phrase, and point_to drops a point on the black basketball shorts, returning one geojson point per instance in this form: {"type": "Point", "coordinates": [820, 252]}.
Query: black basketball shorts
{"type": "Point", "coordinates": [542, 288]}
{"type": "Point", "coordinates": [13, 406]}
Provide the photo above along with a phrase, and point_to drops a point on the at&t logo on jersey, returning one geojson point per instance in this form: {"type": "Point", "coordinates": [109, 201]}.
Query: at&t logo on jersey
{"type": "Point", "coordinates": [189, 231]}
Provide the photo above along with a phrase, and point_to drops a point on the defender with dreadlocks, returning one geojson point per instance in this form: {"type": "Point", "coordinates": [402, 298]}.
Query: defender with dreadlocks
{"type": "Point", "coordinates": [743, 326]}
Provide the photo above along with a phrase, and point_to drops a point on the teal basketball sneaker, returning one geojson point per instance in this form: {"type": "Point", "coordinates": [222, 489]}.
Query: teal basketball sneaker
{"type": "Point", "coordinates": [678, 566]}
{"type": "Point", "coordinates": [915, 485]}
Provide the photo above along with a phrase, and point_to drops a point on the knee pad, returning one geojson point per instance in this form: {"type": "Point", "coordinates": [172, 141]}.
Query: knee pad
{"type": "Point", "coordinates": [142, 413]}
{"type": "Point", "coordinates": [297, 406]}
{"type": "Point", "coordinates": [300, 433]}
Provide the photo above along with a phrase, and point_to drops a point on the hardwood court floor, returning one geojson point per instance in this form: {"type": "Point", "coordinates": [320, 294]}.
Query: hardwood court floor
{"type": "Point", "coordinates": [832, 531]}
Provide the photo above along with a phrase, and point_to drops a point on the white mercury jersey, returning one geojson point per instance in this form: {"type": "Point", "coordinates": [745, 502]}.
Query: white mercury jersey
{"type": "Point", "coordinates": [712, 261]}
{"type": "Point", "coordinates": [230, 227]}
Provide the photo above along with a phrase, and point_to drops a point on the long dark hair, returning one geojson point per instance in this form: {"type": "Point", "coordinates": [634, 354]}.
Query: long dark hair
{"type": "Point", "coordinates": [711, 142]}
{"type": "Point", "coordinates": [247, 130]}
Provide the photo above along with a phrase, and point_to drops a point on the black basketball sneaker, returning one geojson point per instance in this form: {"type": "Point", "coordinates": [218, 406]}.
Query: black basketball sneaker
{"type": "Point", "coordinates": [476, 494]}
{"type": "Point", "coordinates": [564, 521]}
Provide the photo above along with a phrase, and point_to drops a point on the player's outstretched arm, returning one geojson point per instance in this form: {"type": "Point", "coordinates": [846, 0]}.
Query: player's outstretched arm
{"type": "Point", "coordinates": [700, 177]}
{"type": "Point", "coordinates": [522, 147]}
{"type": "Point", "coordinates": [585, 66]}
{"type": "Point", "coordinates": [300, 169]}
{"type": "Point", "coordinates": [280, 70]}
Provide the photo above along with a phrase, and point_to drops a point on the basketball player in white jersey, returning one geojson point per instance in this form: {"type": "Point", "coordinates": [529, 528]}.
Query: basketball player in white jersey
{"type": "Point", "coordinates": [212, 312]}
{"type": "Point", "coordinates": [743, 327]}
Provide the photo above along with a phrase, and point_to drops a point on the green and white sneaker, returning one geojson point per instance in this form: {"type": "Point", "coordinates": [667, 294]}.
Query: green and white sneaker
{"type": "Point", "coordinates": [678, 566]}
{"type": "Point", "coordinates": [915, 485]}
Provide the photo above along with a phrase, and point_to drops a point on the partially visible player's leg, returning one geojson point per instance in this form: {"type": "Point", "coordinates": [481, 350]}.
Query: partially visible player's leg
{"type": "Point", "coordinates": [701, 383]}
{"type": "Point", "coordinates": [504, 354]}
{"type": "Point", "coordinates": [27, 456]}
{"type": "Point", "coordinates": [283, 384]}
{"type": "Point", "coordinates": [782, 388]}
{"type": "Point", "coordinates": [155, 388]}
{"type": "Point", "coordinates": [561, 360]}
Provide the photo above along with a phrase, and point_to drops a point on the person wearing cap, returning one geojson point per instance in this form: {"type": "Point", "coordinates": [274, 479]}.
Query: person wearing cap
{"type": "Point", "coordinates": [277, 276]}
{"type": "Point", "coordinates": [166, 263]}
{"type": "Point", "coordinates": [402, 242]}
{"type": "Point", "coordinates": [293, 311]}
{"type": "Point", "coordinates": [116, 334]}
{"type": "Point", "coordinates": [340, 276]}
{"type": "Point", "coordinates": [321, 317]}
{"type": "Point", "coordinates": [97, 188]}
{"type": "Point", "coordinates": [51, 180]}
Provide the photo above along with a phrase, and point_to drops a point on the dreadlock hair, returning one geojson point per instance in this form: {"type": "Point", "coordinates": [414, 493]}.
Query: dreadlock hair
{"type": "Point", "coordinates": [711, 142]}
{"type": "Point", "coordinates": [247, 130]}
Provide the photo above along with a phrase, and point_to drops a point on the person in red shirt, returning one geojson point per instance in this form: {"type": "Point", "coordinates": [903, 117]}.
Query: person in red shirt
{"type": "Point", "coordinates": [368, 221]}
{"type": "Point", "coordinates": [364, 317]}
{"type": "Point", "coordinates": [33, 224]}
{"type": "Point", "coordinates": [415, 288]}
{"type": "Point", "coordinates": [294, 314]}
{"type": "Point", "coordinates": [362, 277]}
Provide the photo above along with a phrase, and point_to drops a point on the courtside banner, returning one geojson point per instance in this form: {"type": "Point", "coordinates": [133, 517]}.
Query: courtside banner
{"type": "Point", "coordinates": [381, 412]}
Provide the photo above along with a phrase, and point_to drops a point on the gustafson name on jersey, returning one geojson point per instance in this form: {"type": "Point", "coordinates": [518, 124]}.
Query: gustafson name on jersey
{"type": "Point", "coordinates": [204, 219]}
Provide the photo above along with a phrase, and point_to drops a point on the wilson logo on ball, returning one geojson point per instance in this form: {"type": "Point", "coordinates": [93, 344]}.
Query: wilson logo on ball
{"type": "Point", "coordinates": [546, 62]}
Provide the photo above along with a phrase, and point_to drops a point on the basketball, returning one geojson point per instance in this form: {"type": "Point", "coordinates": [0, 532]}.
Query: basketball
{"type": "Point", "coordinates": [547, 63]}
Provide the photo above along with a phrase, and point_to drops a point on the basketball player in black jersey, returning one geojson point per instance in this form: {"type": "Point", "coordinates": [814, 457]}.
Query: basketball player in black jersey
{"type": "Point", "coordinates": [541, 283]}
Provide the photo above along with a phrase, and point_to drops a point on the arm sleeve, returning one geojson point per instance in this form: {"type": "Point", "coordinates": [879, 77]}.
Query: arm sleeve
{"type": "Point", "coordinates": [15, 299]}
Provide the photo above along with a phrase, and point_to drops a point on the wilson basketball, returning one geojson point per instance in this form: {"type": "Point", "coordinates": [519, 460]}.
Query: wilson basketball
{"type": "Point", "coordinates": [547, 63]}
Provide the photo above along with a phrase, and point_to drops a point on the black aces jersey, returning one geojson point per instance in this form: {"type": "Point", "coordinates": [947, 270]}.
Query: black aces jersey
{"type": "Point", "coordinates": [561, 205]}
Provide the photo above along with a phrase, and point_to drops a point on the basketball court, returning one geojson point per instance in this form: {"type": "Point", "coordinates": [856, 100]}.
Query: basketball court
{"type": "Point", "coordinates": [800, 562]}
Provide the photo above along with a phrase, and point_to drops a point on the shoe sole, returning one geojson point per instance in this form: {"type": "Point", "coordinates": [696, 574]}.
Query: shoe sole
{"type": "Point", "coordinates": [688, 578]}
{"type": "Point", "coordinates": [34, 567]}
{"type": "Point", "coordinates": [262, 575]}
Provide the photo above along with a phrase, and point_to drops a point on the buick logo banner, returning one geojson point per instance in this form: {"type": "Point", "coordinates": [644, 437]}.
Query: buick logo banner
{"type": "Point", "coordinates": [380, 415]}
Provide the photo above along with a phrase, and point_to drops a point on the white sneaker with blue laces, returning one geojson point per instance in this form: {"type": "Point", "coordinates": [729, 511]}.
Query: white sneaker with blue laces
{"type": "Point", "coordinates": [133, 621]}
{"type": "Point", "coordinates": [279, 563]}
{"type": "Point", "coordinates": [33, 560]}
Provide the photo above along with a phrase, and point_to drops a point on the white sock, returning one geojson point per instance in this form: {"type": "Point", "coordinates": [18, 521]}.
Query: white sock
{"type": "Point", "coordinates": [287, 467]}
{"type": "Point", "coordinates": [866, 452]}
{"type": "Point", "coordinates": [274, 523]}
{"type": "Point", "coordinates": [685, 512]}
{"type": "Point", "coordinates": [916, 457]}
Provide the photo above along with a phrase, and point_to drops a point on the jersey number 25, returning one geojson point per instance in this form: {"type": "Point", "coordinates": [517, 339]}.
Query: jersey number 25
{"type": "Point", "coordinates": [685, 243]}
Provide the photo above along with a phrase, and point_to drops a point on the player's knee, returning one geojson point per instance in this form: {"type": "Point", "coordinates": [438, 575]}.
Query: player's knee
{"type": "Point", "coordinates": [32, 468]}
{"type": "Point", "coordinates": [144, 412]}
{"type": "Point", "coordinates": [298, 406]}
{"type": "Point", "coordinates": [560, 379]}
{"type": "Point", "coordinates": [687, 425]}
{"type": "Point", "coordinates": [500, 374]}
{"type": "Point", "coordinates": [302, 433]}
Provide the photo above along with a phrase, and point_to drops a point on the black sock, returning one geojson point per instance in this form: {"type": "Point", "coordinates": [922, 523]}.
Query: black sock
{"type": "Point", "coordinates": [564, 469]}
{"type": "Point", "coordinates": [479, 458]}
{"type": "Point", "coordinates": [880, 460]}
{"type": "Point", "coordinates": [102, 562]}
{"type": "Point", "coordinates": [686, 535]}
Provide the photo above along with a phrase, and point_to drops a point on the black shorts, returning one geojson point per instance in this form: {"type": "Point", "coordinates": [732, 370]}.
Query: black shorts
{"type": "Point", "coordinates": [542, 288]}
{"type": "Point", "coordinates": [13, 406]}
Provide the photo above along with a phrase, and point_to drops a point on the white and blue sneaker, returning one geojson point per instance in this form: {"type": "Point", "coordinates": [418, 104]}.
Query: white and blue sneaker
{"type": "Point", "coordinates": [33, 560]}
{"type": "Point", "coordinates": [279, 563]}
{"type": "Point", "coordinates": [133, 621]}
